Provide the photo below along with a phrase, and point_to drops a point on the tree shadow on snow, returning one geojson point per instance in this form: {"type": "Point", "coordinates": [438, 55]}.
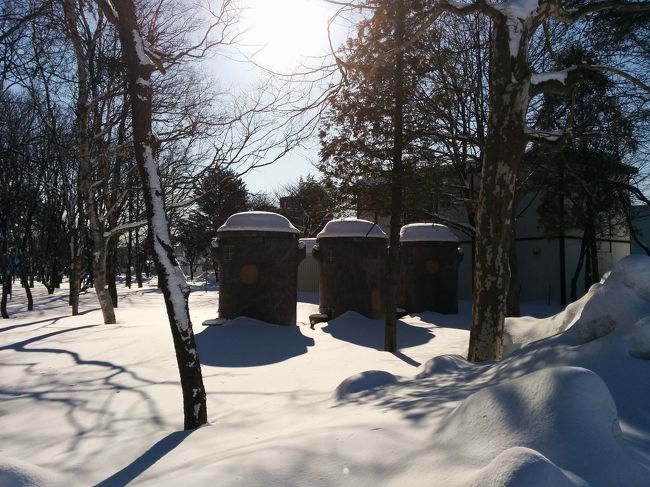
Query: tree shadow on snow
{"type": "Point", "coordinates": [461, 320]}
{"type": "Point", "coordinates": [146, 460]}
{"type": "Point", "coordinates": [48, 321]}
{"type": "Point", "coordinates": [355, 328]}
{"type": "Point", "coordinates": [68, 390]}
{"type": "Point", "coordinates": [244, 342]}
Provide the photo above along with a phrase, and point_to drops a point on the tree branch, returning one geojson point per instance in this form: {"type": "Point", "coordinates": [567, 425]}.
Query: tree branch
{"type": "Point", "coordinates": [558, 12]}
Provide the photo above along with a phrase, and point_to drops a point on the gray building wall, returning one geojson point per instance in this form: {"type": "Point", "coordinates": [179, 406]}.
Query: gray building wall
{"type": "Point", "coordinates": [641, 222]}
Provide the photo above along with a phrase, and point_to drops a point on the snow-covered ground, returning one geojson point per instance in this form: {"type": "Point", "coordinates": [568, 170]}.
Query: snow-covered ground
{"type": "Point", "coordinates": [84, 403]}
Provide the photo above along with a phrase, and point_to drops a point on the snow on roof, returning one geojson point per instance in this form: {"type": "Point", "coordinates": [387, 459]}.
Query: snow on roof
{"type": "Point", "coordinates": [351, 227]}
{"type": "Point", "coordinates": [426, 232]}
{"type": "Point", "coordinates": [261, 221]}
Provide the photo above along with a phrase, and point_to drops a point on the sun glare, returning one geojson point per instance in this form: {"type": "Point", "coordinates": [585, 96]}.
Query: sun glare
{"type": "Point", "coordinates": [282, 33]}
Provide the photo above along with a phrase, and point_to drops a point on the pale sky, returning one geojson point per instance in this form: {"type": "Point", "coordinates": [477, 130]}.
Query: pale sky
{"type": "Point", "coordinates": [279, 34]}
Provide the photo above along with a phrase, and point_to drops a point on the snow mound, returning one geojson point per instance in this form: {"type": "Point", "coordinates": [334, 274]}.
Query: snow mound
{"type": "Point", "coordinates": [364, 381]}
{"type": "Point", "coordinates": [351, 227]}
{"type": "Point", "coordinates": [614, 302]}
{"type": "Point", "coordinates": [587, 330]}
{"type": "Point", "coordinates": [567, 414]}
{"type": "Point", "coordinates": [520, 331]}
{"type": "Point", "coordinates": [639, 339]}
{"type": "Point", "coordinates": [16, 473]}
{"type": "Point", "coordinates": [261, 221]}
{"type": "Point", "coordinates": [634, 272]}
{"type": "Point", "coordinates": [426, 232]}
{"type": "Point", "coordinates": [520, 466]}
{"type": "Point", "coordinates": [444, 364]}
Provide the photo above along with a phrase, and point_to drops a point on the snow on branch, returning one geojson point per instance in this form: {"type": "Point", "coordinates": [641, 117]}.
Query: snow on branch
{"type": "Point", "coordinates": [123, 228]}
{"type": "Point", "coordinates": [561, 82]}
{"type": "Point", "coordinates": [569, 16]}
{"type": "Point", "coordinates": [109, 10]}
{"type": "Point", "coordinates": [558, 76]}
{"type": "Point", "coordinates": [146, 56]}
{"type": "Point", "coordinates": [546, 136]}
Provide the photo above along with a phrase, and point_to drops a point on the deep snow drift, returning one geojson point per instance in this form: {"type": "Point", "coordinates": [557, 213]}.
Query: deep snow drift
{"type": "Point", "coordinates": [84, 403]}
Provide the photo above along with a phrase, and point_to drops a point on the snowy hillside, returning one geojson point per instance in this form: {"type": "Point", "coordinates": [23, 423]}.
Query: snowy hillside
{"type": "Point", "coordinates": [84, 403]}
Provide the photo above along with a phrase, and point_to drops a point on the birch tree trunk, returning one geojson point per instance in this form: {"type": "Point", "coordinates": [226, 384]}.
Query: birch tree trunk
{"type": "Point", "coordinates": [505, 144]}
{"type": "Point", "coordinates": [171, 280]}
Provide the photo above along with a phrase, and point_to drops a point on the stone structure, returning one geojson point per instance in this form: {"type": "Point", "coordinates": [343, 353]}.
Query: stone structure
{"type": "Point", "coordinates": [429, 258]}
{"type": "Point", "coordinates": [258, 254]}
{"type": "Point", "coordinates": [352, 257]}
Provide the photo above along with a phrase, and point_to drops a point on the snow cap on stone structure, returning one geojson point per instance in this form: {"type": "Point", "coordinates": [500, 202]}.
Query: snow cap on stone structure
{"type": "Point", "coordinates": [426, 232]}
{"type": "Point", "coordinates": [260, 221]}
{"type": "Point", "coordinates": [351, 227]}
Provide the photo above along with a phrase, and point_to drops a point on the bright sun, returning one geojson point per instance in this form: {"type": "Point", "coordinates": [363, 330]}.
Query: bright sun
{"type": "Point", "coordinates": [281, 33]}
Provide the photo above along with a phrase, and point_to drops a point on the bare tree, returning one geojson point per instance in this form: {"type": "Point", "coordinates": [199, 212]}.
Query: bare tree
{"type": "Point", "coordinates": [141, 61]}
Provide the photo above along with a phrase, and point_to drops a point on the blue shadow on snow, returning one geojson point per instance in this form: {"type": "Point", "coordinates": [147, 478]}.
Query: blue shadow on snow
{"type": "Point", "coordinates": [146, 460]}
{"type": "Point", "coordinates": [245, 342]}
{"type": "Point", "coordinates": [355, 328]}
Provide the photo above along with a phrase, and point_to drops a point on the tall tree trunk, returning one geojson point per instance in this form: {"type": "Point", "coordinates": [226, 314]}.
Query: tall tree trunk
{"type": "Point", "coordinates": [170, 277]}
{"type": "Point", "coordinates": [576, 273]}
{"type": "Point", "coordinates": [77, 257]}
{"type": "Point", "coordinates": [73, 253]}
{"type": "Point", "coordinates": [76, 279]}
{"type": "Point", "coordinates": [54, 275]}
{"type": "Point", "coordinates": [111, 264]}
{"type": "Point", "coordinates": [514, 290]}
{"type": "Point", "coordinates": [6, 282]}
{"type": "Point", "coordinates": [129, 247]}
{"type": "Point", "coordinates": [96, 228]}
{"type": "Point", "coordinates": [24, 282]}
{"type": "Point", "coordinates": [505, 144]}
{"type": "Point", "coordinates": [390, 338]}
{"type": "Point", "coordinates": [138, 259]}
{"type": "Point", "coordinates": [591, 252]}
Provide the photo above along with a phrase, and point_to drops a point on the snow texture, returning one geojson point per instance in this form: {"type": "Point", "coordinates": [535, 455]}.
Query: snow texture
{"type": "Point", "coordinates": [640, 339]}
{"type": "Point", "coordinates": [565, 414]}
{"type": "Point", "coordinates": [426, 232]}
{"type": "Point", "coordinates": [519, 466]}
{"type": "Point", "coordinates": [351, 227]}
{"type": "Point", "coordinates": [17, 473]}
{"type": "Point", "coordinates": [364, 382]}
{"type": "Point", "coordinates": [260, 221]}
{"type": "Point", "coordinates": [596, 314]}
{"type": "Point", "coordinates": [95, 405]}
{"type": "Point", "coordinates": [444, 364]}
